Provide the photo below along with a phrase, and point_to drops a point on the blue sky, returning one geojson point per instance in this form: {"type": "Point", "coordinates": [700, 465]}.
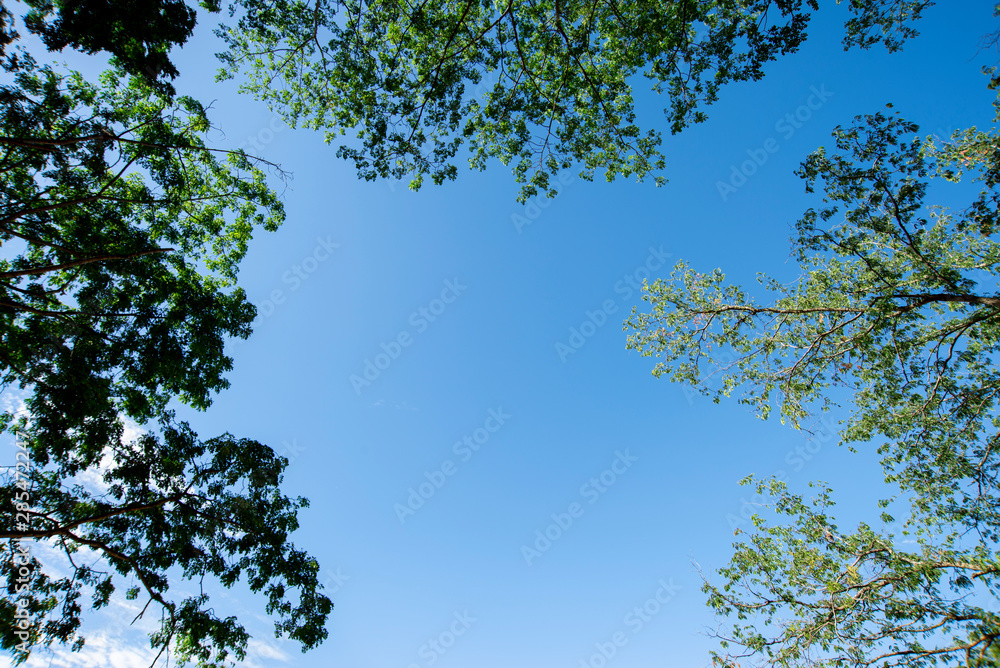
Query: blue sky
{"type": "Point", "coordinates": [484, 291]}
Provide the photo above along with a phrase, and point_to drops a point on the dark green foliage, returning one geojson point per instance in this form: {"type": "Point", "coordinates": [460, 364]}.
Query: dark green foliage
{"type": "Point", "coordinates": [110, 308]}
{"type": "Point", "coordinates": [138, 34]}
{"type": "Point", "coordinates": [123, 235]}
{"type": "Point", "coordinates": [210, 508]}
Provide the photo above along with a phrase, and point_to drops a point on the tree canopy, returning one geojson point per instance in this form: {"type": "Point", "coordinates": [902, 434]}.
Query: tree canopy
{"type": "Point", "coordinates": [558, 75]}
{"type": "Point", "coordinates": [138, 34]}
{"type": "Point", "coordinates": [897, 304]}
{"type": "Point", "coordinates": [124, 232]}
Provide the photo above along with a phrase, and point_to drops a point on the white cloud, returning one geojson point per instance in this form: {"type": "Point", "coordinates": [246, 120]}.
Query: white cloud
{"type": "Point", "coordinates": [258, 650]}
{"type": "Point", "coordinates": [92, 479]}
{"type": "Point", "coordinates": [12, 400]}
{"type": "Point", "coordinates": [125, 647]}
{"type": "Point", "coordinates": [104, 649]}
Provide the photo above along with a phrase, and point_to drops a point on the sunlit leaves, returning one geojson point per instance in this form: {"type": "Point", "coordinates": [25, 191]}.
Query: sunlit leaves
{"type": "Point", "coordinates": [896, 307]}
{"type": "Point", "coordinates": [540, 86]}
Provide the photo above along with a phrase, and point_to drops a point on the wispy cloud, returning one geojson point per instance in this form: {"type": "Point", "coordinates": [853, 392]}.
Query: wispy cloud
{"type": "Point", "coordinates": [117, 644]}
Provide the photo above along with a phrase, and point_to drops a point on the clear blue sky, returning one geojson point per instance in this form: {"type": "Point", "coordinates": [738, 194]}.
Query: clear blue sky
{"type": "Point", "coordinates": [356, 263]}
